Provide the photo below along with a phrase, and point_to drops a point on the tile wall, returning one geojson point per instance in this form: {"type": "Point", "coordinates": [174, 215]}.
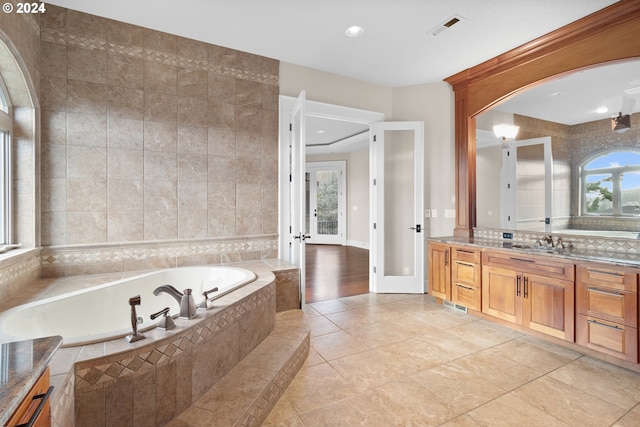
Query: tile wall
{"type": "Point", "coordinates": [150, 137]}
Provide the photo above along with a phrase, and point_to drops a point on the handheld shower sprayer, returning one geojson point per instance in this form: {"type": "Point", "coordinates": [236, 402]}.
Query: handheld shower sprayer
{"type": "Point", "coordinates": [135, 336]}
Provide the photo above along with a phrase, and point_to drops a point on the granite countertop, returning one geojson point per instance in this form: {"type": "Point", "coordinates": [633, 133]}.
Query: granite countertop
{"type": "Point", "coordinates": [628, 259]}
{"type": "Point", "coordinates": [21, 364]}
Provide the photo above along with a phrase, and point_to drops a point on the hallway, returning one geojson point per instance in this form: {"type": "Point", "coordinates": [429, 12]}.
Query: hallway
{"type": "Point", "coordinates": [335, 272]}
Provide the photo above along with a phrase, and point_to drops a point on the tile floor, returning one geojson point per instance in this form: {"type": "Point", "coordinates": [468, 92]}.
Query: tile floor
{"type": "Point", "coordinates": [404, 360]}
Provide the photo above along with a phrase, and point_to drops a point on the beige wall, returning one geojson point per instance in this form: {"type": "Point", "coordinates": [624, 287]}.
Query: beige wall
{"type": "Point", "coordinates": [433, 104]}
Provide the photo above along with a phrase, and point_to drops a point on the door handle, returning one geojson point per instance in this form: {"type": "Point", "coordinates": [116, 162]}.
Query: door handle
{"type": "Point", "coordinates": [418, 228]}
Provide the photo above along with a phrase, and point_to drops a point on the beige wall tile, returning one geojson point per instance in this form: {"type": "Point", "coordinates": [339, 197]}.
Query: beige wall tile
{"type": "Point", "coordinates": [125, 133]}
{"type": "Point", "coordinates": [124, 34]}
{"type": "Point", "coordinates": [53, 61]}
{"type": "Point", "coordinates": [192, 83]}
{"type": "Point", "coordinates": [54, 195]}
{"type": "Point", "coordinates": [160, 225]}
{"type": "Point", "coordinates": [222, 222]}
{"type": "Point", "coordinates": [55, 18]}
{"type": "Point", "coordinates": [192, 111]}
{"type": "Point", "coordinates": [159, 77]}
{"type": "Point", "coordinates": [125, 71]}
{"type": "Point", "coordinates": [118, 398]}
{"type": "Point", "coordinates": [87, 194]}
{"type": "Point", "coordinates": [161, 42]}
{"type": "Point", "coordinates": [86, 64]}
{"type": "Point", "coordinates": [125, 164]}
{"type": "Point", "coordinates": [193, 167]}
{"type": "Point", "coordinates": [222, 89]}
{"type": "Point", "coordinates": [125, 226]}
{"type": "Point", "coordinates": [192, 140]}
{"type": "Point", "coordinates": [159, 165]}
{"type": "Point", "coordinates": [248, 171]}
{"type": "Point", "coordinates": [126, 195]}
{"type": "Point", "coordinates": [53, 127]}
{"type": "Point", "coordinates": [160, 195]}
{"type": "Point", "coordinates": [86, 227]}
{"type": "Point", "coordinates": [86, 130]}
{"type": "Point", "coordinates": [222, 169]}
{"type": "Point", "coordinates": [53, 93]}
{"type": "Point", "coordinates": [84, 97]}
{"type": "Point", "coordinates": [85, 25]}
{"type": "Point", "coordinates": [248, 222]}
{"type": "Point", "coordinates": [160, 107]}
{"type": "Point", "coordinates": [222, 56]}
{"type": "Point", "coordinates": [249, 145]}
{"type": "Point", "coordinates": [248, 92]}
{"type": "Point", "coordinates": [222, 142]}
{"type": "Point", "coordinates": [144, 399]}
{"type": "Point", "coordinates": [213, 359]}
{"type": "Point", "coordinates": [192, 49]}
{"type": "Point", "coordinates": [166, 389]}
{"type": "Point", "coordinates": [192, 195]}
{"type": "Point", "coordinates": [222, 116]}
{"type": "Point", "coordinates": [126, 103]}
{"type": "Point", "coordinates": [160, 136]}
{"type": "Point", "coordinates": [54, 227]}
{"type": "Point", "coordinates": [221, 196]}
{"type": "Point", "coordinates": [249, 197]}
{"type": "Point", "coordinates": [192, 223]}
{"type": "Point", "coordinates": [86, 162]}
{"type": "Point", "coordinates": [249, 118]}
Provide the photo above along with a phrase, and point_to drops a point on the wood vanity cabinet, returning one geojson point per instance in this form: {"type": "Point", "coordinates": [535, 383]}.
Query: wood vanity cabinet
{"type": "Point", "coordinates": [35, 407]}
{"type": "Point", "coordinates": [439, 262]}
{"type": "Point", "coordinates": [466, 277]}
{"type": "Point", "coordinates": [607, 309]}
{"type": "Point", "coordinates": [532, 291]}
{"type": "Point", "coordinates": [454, 274]}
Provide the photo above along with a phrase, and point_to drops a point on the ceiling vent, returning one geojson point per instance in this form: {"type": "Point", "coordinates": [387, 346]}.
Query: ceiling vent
{"type": "Point", "coordinates": [621, 123]}
{"type": "Point", "coordinates": [446, 25]}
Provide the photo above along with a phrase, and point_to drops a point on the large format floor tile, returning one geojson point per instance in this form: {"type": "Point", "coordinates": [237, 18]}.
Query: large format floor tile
{"type": "Point", "coordinates": [405, 360]}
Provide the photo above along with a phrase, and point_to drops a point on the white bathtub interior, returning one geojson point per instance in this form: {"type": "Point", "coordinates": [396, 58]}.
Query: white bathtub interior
{"type": "Point", "coordinates": [103, 312]}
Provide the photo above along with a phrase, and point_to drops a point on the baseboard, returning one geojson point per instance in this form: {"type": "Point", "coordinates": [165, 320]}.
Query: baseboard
{"type": "Point", "coordinates": [357, 244]}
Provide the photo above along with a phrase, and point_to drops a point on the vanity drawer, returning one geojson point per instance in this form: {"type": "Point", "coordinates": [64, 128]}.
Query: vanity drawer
{"type": "Point", "coordinates": [540, 265]}
{"type": "Point", "coordinates": [611, 338]}
{"type": "Point", "coordinates": [466, 272]}
{"type": "Point", "coordinates": [608, 304]}
{"type": "Point", "coordinates": [610, 276]}
{"type": "Point", "coordinates": [465, 254]}
{"type": "Point", "coordinates": [35, 407]}
{"type": "Point", "coordinates": [466, 295]}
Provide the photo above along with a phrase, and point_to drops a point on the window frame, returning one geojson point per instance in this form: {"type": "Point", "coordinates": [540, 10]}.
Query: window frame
{"type": "Point", "coordinates": [616, 188]}
{"type": "Point", "coordinates": [6, 170]}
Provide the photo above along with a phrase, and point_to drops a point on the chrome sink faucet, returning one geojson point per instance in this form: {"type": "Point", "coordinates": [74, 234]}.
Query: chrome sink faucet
{"type": "Point", "coordinates": [549, 240]}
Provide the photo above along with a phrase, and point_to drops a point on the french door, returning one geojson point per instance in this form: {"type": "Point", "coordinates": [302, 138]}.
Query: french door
{"type": "Point", "coordinates": [397, 167]}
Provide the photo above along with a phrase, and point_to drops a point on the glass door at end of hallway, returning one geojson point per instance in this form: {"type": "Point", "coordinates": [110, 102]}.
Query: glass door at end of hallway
{"type": "Point", "coordinates": [326, 200]}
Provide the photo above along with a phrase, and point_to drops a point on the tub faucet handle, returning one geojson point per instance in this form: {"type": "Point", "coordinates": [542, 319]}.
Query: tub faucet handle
{"type": "Point", "coordinates": [205, 294]}
{"type": "Point", "coordinates": [166, 322]}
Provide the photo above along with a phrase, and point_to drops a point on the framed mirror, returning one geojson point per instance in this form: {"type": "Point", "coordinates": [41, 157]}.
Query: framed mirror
{"type": "Point", "coordinates": [574, 166]}
{"type": "Point", "coordinates": [606, 36]}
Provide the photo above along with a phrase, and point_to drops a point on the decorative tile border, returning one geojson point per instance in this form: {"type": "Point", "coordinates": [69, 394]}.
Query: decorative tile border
{"type": "Point", "coordinates": [587, 243]}
{"type": "Point", "coordinates": [62, 256]}
{"type": "Point", "coordinates": [54, 36]}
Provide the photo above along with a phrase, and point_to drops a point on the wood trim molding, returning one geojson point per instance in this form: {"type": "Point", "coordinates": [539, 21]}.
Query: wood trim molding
{"type": "Point", "coordinates": [610, 34]}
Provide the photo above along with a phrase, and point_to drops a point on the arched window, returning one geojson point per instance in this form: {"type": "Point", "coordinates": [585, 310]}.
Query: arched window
{"type": "Point", "coordinates": [6, 124]}
{"type": "Point", "coordinates": [610, 184]}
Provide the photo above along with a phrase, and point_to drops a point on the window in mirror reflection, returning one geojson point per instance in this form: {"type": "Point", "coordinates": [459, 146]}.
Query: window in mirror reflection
{"type": "Point", "coordinates": [611, 184]}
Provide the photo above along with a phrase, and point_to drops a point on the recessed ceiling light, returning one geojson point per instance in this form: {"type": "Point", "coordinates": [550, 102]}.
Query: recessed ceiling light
{"type": "Point", "coordinates": [320, 131]}
{"type": "Point", "coordinates": [555, 94]}
{"type": "Point", "coordinates": [354, 31]}
{"type": "Point", "coordinates": [602, 110]}
{"type": "Point", "coordinates": [633, 90]}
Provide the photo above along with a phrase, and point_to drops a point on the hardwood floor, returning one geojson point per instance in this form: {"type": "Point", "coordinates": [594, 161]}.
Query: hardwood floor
{"type": "Point", "coordinates": [335, 272]}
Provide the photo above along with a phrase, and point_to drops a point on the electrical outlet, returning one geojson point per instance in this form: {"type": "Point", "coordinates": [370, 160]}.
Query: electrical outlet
{"type": "Point", "coordinates": [434, 213]}
{"type": "Point", "coordinates": [427, 213]}
{"type": "Point", "coordinates": [449, 213]}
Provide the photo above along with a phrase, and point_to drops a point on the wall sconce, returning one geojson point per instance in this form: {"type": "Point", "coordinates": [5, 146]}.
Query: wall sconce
{"type": "Point", "coordinates": [506, 131]}
{"type": "Point", "coordinates": [621, 123]}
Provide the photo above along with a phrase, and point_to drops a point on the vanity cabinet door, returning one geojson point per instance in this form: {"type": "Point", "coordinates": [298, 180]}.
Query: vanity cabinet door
{"type": "Point", "coordinates": [439, 264]}
{"type": "Point", "coordinates": [548, 306]}
{"type": "Point", "coordinates": [501, 290]}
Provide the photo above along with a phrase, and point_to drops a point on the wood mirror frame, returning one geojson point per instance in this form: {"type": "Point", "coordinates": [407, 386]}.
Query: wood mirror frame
{"type": "Point", "coordinates": [611, 34]}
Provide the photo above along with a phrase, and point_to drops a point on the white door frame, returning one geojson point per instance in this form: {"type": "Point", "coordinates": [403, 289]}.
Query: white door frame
{"type": "Point", "coordinates": [340, 238]}
{"type": "Point", "coordinates": [285, 175]}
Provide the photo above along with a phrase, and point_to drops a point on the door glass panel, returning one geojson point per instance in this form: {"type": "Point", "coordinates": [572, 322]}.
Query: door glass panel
{"type": "Point", "coordinates": [399, 203]}
{"type": "Point", "coordinates": [327, 195]}
{"type": "Point", "coordinates": [530, 179]}
{"type": "Point", "coordinates": [307, 203]}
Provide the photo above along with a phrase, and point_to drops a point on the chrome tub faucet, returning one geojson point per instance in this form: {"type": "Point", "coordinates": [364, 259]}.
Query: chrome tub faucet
{"type": "Point", "coordinates": [186, 301]}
